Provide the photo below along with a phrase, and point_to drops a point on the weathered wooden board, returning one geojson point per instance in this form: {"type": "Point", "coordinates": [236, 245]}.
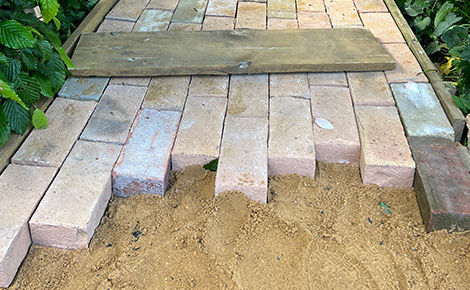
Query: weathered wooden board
{"type": "Point", "coordinates": [229, 52]}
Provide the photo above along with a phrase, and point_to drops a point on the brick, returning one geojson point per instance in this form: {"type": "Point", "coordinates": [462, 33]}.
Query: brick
{"type": "Point", "coordinates": [289, 85]}
{"type": "Point", "coordinates": [222, 8]}
{"type": "Point", "coordinates": [200, 132]}
{"type": "Point", "coordinates": [291, 148]}
{"type": "Point", "coordinates": [209, 86]}
{"type": "Point", "coordinates": [132, 81]}
{"type": "Point", "coordinates": [383, 27]}
{"type": "Point", "coordinates": [370, 6]}
{"type": "Point", "coordinates": [127, 10]}
{"type": "Point", "coordinates": [328, 79]}
{"type": "Point", "coordinates": [310, 6]}
{"type": "Point", "coordinates": [114, 114]}
{"type": "Point", "coordinates": [282, 9]}
{"type": "Point", "coordinates": [370, 89]}
{"type": "Point", "coordinates": [340, 144]}
{"type": "Point", "coordinates": [313, 20]}
{"type": "Point", "coordinates": [385, 156]}
{"type": "Point", "coordinates": [342, 13]}
{"type": "Point", "coordinates": [281, 24]}
{"type": "Point", "coordinates": [143, 166]}
{"type": "Point", "coordinates": [407, 67]}
{"type": "Point", "coordinates": [248, 96]}
{"type": "Point", "coordinates": [190, 11]}
{"type": "Point", "coordinates": [218, 23]}
{"type": "Point", "coordinates": [73, 205]}
{"type": "Point", "coordinates": [86, 89]}
{"type": "Point", "coordinates": [176, 26]}
{"type": "Point", "coordinates": [441, 184]}
{"type": "Point", "coordinates": [21, 189]}
{"type": "Point", "coordinates": [421, 111]}
{"type": "Point", "coordinates": [243, 158]}
{"type": "Point", "coordinates": [49, 147]}
{"type": "Point", "coordinates": [167, 93]}
{"type": "Point", "coordinates": [153, 20]}
{"type": "Point", "coordinates": [109, 25]}
{"type": "Point", "coordinates": [251, 15]}
{"type": "Point", "coordinates": [163, 4]}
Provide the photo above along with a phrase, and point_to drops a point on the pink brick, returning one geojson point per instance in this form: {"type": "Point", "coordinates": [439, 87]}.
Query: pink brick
{"type": "Point", "coordinates": [153, 20]}
{"type": "Point", "coordinates": [109, 25]}
{"type": "Point", "coordinates": [243, 158]}
{"type": "Point", "coordinates": [370, 5]}
{"type": "Point", "coordinates": [291, 148]}
{"type": "Point", "coordinates": [163, 4]}
{"type": "Point", "coordinates": [218, 23]}
{"type": "Point", "coordinates": [370, 89]}
{"type": "Point", "coordinates": [136, 81]}
{"type": "Point", "coordinates": [251, 15]}
{"type": "Point", "coordinates": [328, 79]}
{"type": "Point", "coordinates": [73, 205]}
{"type": "Point", "coordinates": [340, 144]}
{"type": "Point", "coordinates": [209, 86]}
{"type": "Point", "coordinates": [128, 10]}
{"type": "Point", "coordinates": [167, 93]}
{"type": "Point", "coordinates": [313, 20]}
{"type": "Point", "coordinates": [385, 156]}
{"type": "Point", "coordinates": [248, 96]}
{"type": "Point", "coordinates": [222, 8]}
{"type": "Point", "coordinates": [281, 24]}
{"type": "Point", "coordinates": [200, 132]}
{"type": "Point", "coordinates": [21, 189]}
{"type": "Point", "coordinates": [407, 67]}
{"type": "Point", "coordinates": [143, 166]}
{"type": "Point", "coordinates": [289, 85]}
{"type": "Point", "coordinates": [342, 13]}
{"type": "Point", "coordinates": [310, 6]}
{"type": "Point", "coordinates": [383, 27]}
{"type": "Point", "coordinates": [282, 9]}
{"type": "Point", "coordinates": [177, 26]}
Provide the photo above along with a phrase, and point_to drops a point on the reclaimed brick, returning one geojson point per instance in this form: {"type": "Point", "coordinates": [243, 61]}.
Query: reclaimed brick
{"type": "Point", "coordinates": [328, 79]}
{"type": "Point", "coordinates": [251, 15]}
{"type": "Point", "coordinates": [421, 111]}
{"type": "Point", "coordinates": [218, 23]}
{"type": "Point", "coordinates": [282, 9]}
{"type": "Point", "coordinates": [289, 85]}
{"type": "Point", "coordinates": [167, 93]}
{"type": "Point", "coordinates": [163, 4]}
{"type": "Point", "coordinates": [370, 89]}
{"type": "Point", "coordinates": [342, 13]}
{"type": "Point", "coordinates": [407, 67]}
{"type": "Point", "coordinates": [248, 96]}
{"type": "Point", "coordinates": [209, 86]}
{"type": "Point", "coordinates": [310, 6]}
{"type": "Point", "coordinates": [132, 81]}
{"type": "Point", "coordinates": [84, 89]}
{"type": "Point", "coordinates": [176, 26]}
{"type": "Point", "coordinates": [313, 20]}
{"type": "Point", "coordinates": [281, 24]}
{"type": "Point", "coordinates": [383, 27]}
{"type": "Point", "coordinates": [340, 144]}
{"type": "Point", "coordinates": [109, 25]}
{"type": "Point", "coordinates": [128, 10]}
{"type": "Point", "coordinates": [143, 166]}
{"type": "Point", "coordinates": [190, 11]}
{"type": "Point", "coordinates": [291, 147]}
{"type": "Point", "coordinates": [385, 156]}
{"type": "Point", "coordinates": [243, 158]}
{"type": "Point", "coordinates": [441, 184]}
{"type": "Point", "coordinates": [49, 147]}
{"type": "Point", "coordinates": [200, 132]}
{"type": "Point", "coordinates": [153, 20]}
{"type": "Point", "coordinates": [370, 6]}
{"type": "Point", "coordinates": [21, 189]}
{"type": "Point", "coordinates": [222, 8]}
{"type": "Point", "coordinates": [114, 114]}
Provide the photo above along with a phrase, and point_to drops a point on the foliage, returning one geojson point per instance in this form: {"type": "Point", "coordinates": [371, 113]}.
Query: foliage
{"type": "Point", "coordinates": [71, 13]}
{"type": "Point", "coordinates": [212, 166]}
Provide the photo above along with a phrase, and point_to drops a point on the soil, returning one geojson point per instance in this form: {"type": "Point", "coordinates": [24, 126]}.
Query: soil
{"type": "Point", "coordinates": [328, 233]}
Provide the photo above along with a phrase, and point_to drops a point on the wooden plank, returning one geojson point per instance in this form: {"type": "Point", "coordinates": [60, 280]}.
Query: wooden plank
{"type": "Point", "coordinates": [453, 113]}
{"type": "Point", "coordinates": [229, 52]}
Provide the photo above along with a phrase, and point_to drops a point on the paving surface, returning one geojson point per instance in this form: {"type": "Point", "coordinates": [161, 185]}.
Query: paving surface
{"type": "Point", "coordinates": [256, 124]}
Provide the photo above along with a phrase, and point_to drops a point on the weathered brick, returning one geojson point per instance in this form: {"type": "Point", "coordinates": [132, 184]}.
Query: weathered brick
{"type": "Point", "coordinates": [153, 20]}
{"type": "Point", "coordinates": [21, 189]}
{"type": "Point", "coordinates": [291, 148]}
{"type": "Point", "coordinates": [200, 132]}
{"type": "Point", "coordinates": [370, 6]}
{"type": "Point", "coordinates": [328, 79]}
{"type": "Point", "coordinates": [407, 67]}
{"type": "Point", "coordinates": [218, 23]}
{"type": "Point", "coordinates": [127, 10]}
{"type": "Point", "coordinates": [243, 158]}
{"type": "Point", "coordinates": [49, 147]}
{"type": "Point", "coordinates": [163, 4]}
{"type": "Point", "coordinates": [340, 144]}
{"type": "Point", "coordinates": [313, 20]}
{"type": "Point", "coordinates": [441, 184]}
{"type": "Point", "coordinates": [167, 93]}
{"type": "Point", "coordinates": [370, 89]}
{"type": "Point", "coordinates": [190, 11]}
{"type": "Point", "coordinates": [73, 205]}
{"type": "Point", "coordinates": [282, 9]}
{"type": "Point", "coordinates": [383, 27]}
{"type": "Point", "coordinates": [248, 96]}
{"type": "Point", "coordinates": [176, 26]}
{"type": "Point", "coordinates": [310, 6]}
{"type": "Point", "coordinates": [251, 15]}
{"type": "Point", "coordinates": [222, 8]}
{"type": "Point", "coordinates": [209, 86]}
{"type": "Point", "coordinates": [143, 166]}
{"type": "Point", "coordinates": [385, 156]}
{"type": "Point", "coordinates": [109, 25]}
{"type": "Point", "coordinates": [114, 114]}
{"type": "Point", "coordinates": [342, 13]}
{"type": "Point", "coordinates": [289, 85]}
{"type": "Point", "coordinates": [87, 89]}
{"type": "Point", "coordinates": [132, 81]}
{"type": "Point", "coordinates": [281, 24]}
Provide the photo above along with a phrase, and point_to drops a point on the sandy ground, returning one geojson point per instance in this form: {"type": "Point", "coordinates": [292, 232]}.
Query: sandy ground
{"type": "Point", "coordinates": [328, 233]}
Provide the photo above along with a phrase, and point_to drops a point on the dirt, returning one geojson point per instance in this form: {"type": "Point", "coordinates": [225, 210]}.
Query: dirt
{"type": "Point", "coordinates": [328, 233]}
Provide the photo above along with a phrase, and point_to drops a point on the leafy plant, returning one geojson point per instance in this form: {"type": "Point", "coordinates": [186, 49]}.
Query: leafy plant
{"type": "Point", "coordinates": [71, 13]}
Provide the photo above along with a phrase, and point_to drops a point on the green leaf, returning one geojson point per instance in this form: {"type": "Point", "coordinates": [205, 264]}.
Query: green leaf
{"type": "Point", "coordinates": [421, 24]}
{"type": "Point", "coordinates": [14, 35]}
{"type": "Point", "coordinates": [454, 36]}
{"type": "Point", "coordinates": [39, 119]}
{"type": "Point", "coordinates": [212, 166]}
{"type": "Point", "coordinates": [3, 59]}
{"type": "Point", "coordinates": [29, 60]}
{"type": "Point", "coordinates": [462, 103]}
{"type": "Point", "coordinates": [18, 118]}
{"type": "Point", "coordinates": [57, 69]}
{"type": "Point", "coordinates": [56, 22]}
{"type": "Point", "coordinates": [13, 71]}
{"type": "Point", "coordinates": [4, 128]}
{"type": "Point", "coordinates": [45, 48]}
{"type": "Point", "coordinates": [441, 14]}
{"type": "Point", "coordinates": [451, 19]}
{"type": "Point", "coordinates": [65, 58]}
{"type": "Point", "coordinates": [466, 53]}
{"type": "Point", "coordinates": [30, 88]}
{"type": "Point", "coordinates": [45, 84]}
{"type": "Point", "coordinates": [49, 9]}
{"type": "Point", "coordinates": [8, 93]}
{"type": "Point", "coordinates": [432, 47]}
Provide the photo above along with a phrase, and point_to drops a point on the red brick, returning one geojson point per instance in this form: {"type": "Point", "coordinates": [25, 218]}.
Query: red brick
{"type": "Point", "coordinates": [407, 67]}
{"type": "Point", "coordinates": [370, 5]}
{"type": "Point", "coordinates": [370, 89]}
{"type": "Point", "coordinates": [383, 27]}
{"type": "Point", "coordinates": [251, 15]}
{"type": "Point", "coordinates": [313, 20]}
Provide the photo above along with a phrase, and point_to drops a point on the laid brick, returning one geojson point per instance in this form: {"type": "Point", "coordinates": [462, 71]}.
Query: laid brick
{"type": "Point", "coordinates": [383, 27]}
{"type": "Point", "coordinates": [49, 147]}
{"type": "Point", "coordinates": [127, 10]}
{"type": "Point", "coordinates": [73, 205]}
{"type": "Point", "coordinates": [109, 25]}
{"type": "Point", "coordinates": [21, 189]}
{"type": "Point", "coordinates": [385, 156]}
{"type": "Point", "coordinates": [248, 96]}
{"type": "Point", "coordinates": [251, 15]}
{"type": "Point", "coordinates": [218, 23]}
{"type": "Point", "coordinates": [342, 13]}
{"type": "Point", "coordinates": [313, 20]}
{"type": "Point", "coordinates": [407, 67]}
{"type": "Point", "coordinates": [340, 144]}
{"type": "Point", "coordinates": [328, 79]}
{"type": "Point", "coordinates": [291, 148]}
{"type": "Point", "coordinates": [133, 81]}
{"type": "Point", "coordinates": [153, 20]}
{"type": "Point", "coordinates": [167, 93]}
{"type": "Point", "coordinates": [289, 85]}
{"type": "Point", "coordinates": [86, 89]}
{"type": "Point", "coordinates": [282, 9]}
{"type": "Point", "coordinates": [243, 158]}
{"type": "Point", "coordinates": [310, 6]}
{"type": "Point", "coordinates": [114, 114]}
{"type": "Point", "coordinates": [222, 8]}
{"type": "Point", "coordinates": [370, 6]}
{"type": "Point", "coordinates": [209, 86]}
{"type": "Point", "coordinates": [281, 24]}
{"type": "Point", "coordinates": [421, 111]}
{"type": "Point", "coordinates": [176, 26]}
{"type": "Point", "coordinates": [199, 136]}
{"type": "Point", "coordinates": [370, 89]}
{"type": "Point", "coordinates": [190, 11]}
{"type": "Point", "coordinates": [143, 166]}
{"type": "Point", "coordinates": [163, 4]}
{"type": "Point", "coordinates": [441, 184]}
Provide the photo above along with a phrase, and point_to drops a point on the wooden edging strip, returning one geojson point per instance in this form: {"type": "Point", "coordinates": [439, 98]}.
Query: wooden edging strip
{"type": "Point", "coordinates": [89, 24]}
{"type": "Point", "coordinates": [455, 116]}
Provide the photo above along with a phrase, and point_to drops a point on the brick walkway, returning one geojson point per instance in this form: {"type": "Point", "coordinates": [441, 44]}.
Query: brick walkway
{"type": "Point", "coordinates": [257, 125]}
